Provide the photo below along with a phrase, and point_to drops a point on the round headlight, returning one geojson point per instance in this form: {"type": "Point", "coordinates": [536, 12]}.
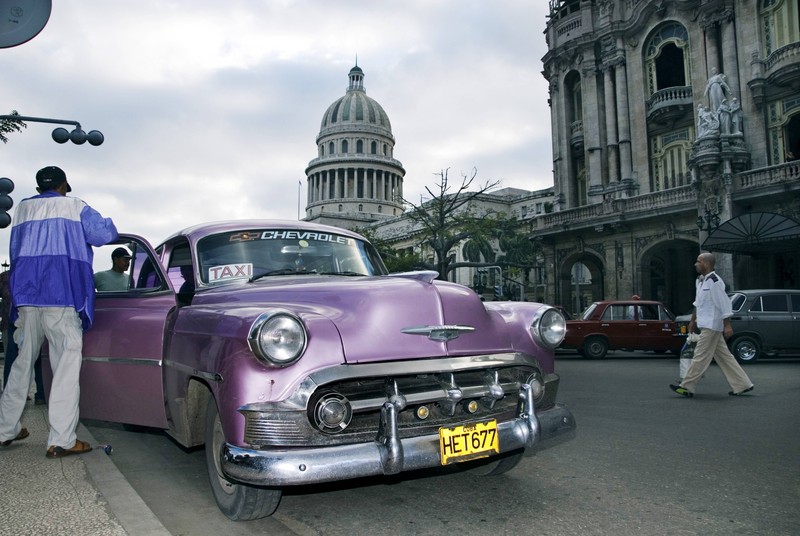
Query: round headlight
{"type": "Point", "coordinates": [549, 327]}
{"type": "Point", "coordinates": [279, 339]}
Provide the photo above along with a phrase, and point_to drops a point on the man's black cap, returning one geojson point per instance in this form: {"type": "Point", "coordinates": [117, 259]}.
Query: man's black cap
{"type": "Point", "coordinates": [120, 252]}
{"type": "Point", "coordinates": [51, 177]}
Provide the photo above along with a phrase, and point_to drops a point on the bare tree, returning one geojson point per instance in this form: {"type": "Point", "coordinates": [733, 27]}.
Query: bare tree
{"type": "Point", "coordinates": [448, 218]}
{"type": "Point", "coordinates": [8, 126]}
{"type": "Point", "coordinates": [395, 261]}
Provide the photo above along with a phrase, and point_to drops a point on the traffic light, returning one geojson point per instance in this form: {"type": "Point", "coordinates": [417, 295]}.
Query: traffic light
{"type": "Point", "coordinates": [6, 187]}
{"type": "Point", "coordinates": [498, 292]}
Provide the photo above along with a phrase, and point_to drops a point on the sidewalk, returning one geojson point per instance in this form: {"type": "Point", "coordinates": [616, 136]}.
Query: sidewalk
{"type": "Point", "coordinates": [75, 495]}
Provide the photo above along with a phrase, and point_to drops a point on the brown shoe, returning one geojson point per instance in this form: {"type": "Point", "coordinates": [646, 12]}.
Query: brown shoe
{"type": "Point", "coordinates": [81, 447]}
{"type": "Point", "coordinates": [21, 435]}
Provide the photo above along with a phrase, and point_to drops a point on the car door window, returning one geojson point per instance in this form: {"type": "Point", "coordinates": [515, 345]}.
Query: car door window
{"type": "Point", "coordinates": [617, 312]}
{"type": "Point", "coordinates": [796, 303]}
{"type": "Point", "coordinates": [180, 271]}
{"type": "Point", "coordinates": [775, 303]}
{"type": "Point", "coordinates": [141, 275]}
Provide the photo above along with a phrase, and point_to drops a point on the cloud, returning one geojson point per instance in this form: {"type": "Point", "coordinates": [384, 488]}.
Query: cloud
{"type": "Point", "coordinates": [210, 109]}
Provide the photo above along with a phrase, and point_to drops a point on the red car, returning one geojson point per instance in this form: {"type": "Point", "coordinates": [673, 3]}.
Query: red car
{"type": "Point", "coordinates": [623, 325]}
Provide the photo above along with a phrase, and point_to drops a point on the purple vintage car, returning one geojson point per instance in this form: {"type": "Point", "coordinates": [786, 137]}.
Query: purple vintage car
{"type": "Point", "coordinates": [289, 351]}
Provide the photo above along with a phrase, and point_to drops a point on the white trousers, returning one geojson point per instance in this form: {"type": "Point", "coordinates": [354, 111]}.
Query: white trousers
{"type": "Point", "coordinates": [711, 345]}
{"type": "Point", "coordinates": [62, 328]}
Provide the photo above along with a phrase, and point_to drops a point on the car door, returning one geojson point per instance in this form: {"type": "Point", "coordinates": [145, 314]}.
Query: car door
{"type": "Point", "coordinates": [121, 377]}
{"type": "Point", "coordinates": [771, 318]}
{"type": "Point", "coordinates": [795, 299]}
{"type": "Point", "coordinates": [619, 324]}
{"type": "Point", "coordinates": [655, 328]}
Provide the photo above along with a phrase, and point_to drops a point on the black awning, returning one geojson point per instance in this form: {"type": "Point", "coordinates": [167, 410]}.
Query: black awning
{"type": "Point", "coordinates": [759, 232]}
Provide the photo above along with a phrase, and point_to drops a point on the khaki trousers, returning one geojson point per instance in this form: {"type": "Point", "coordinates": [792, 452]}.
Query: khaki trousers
{"type": "Point", "coordinates": [62, 328]}
{"type": "Point", "coordinates": [711, 345]}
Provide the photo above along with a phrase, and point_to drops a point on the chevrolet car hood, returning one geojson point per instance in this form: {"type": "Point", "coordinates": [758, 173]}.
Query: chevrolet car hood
{"type": "Point", "coordinates": [380, 318]}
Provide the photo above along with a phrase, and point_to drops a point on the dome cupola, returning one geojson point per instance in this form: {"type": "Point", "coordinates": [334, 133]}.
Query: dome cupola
{"type": "Point", "coordinates": [355, 179]}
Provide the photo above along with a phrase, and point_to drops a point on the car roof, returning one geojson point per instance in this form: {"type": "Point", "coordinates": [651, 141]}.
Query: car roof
{"type": "Point", "coordinates": [198, 231]}
{"type": "Point", "coordinates": [749, 292]}
{"type": "Point", "coordinates": [628, 302]}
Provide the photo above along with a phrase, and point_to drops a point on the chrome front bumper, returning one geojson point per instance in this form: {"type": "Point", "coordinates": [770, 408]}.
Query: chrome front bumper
{"type": "Point", "coordinates": [388, 454]}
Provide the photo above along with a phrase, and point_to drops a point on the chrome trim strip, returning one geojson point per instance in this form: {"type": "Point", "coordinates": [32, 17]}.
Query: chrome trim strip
{"type": "Point", "coordinates": [186, 369]}
{"type": "Point", "coordinates": [125, 361]}
{"type": "Point", "coordinates": [384, 369]}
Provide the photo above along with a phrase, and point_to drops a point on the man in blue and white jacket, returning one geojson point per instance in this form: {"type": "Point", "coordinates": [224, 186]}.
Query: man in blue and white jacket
{"type": "Point", "coordinates": [52, 289]}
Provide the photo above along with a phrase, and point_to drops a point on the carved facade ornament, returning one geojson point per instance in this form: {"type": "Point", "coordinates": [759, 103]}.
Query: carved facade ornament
{"type": "Point", "coordinates": [606, 7]}
{"type": "Point", "coordinates": [716, 18]}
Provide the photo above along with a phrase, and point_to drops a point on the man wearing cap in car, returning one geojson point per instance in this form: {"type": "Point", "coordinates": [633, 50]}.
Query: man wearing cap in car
{"type": "Point", "coordinates": [53, 294]}
{"type": "Point", "coordinates": [117, 277]}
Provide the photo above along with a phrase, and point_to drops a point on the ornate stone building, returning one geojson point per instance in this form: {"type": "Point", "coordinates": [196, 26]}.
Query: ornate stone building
{"type": "Point", "coordinates": [675, 124]}
{"type": "Point", "coordinates": [354, 180]}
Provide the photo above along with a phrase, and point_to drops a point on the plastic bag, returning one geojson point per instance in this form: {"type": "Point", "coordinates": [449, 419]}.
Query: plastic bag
{"type": "Point", "coordinates": [687, 353]}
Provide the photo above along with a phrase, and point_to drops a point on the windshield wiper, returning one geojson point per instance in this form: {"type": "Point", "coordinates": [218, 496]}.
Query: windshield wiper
{"type": "Point", "coordinates": [292, 271]}
{"type": "Point", "coordinates": [281, 271]}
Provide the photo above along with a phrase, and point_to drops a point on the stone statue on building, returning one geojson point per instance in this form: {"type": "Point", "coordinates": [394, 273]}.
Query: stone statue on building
{"type": "Point", "coordinates": [717, 89]}
{"type": "Point", "coordinates": [736, 117]}
{"type": "Point", "coordinates": [707, 122]}
{"type": "Point", "coordinates": [724, 114]}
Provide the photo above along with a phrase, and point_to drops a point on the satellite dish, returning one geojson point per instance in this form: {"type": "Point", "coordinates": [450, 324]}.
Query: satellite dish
{"type": "Point", "coordinates": [22, 20]}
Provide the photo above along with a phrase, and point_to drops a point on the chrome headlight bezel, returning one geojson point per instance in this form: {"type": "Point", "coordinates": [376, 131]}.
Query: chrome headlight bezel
{"type": "Point", "coordinates": [278, 338]}
{"type": "Point", "coordinates": [549, 327]}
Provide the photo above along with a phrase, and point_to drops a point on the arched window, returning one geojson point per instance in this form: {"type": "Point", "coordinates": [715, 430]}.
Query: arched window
{"type": "Point", "coordinates": [374, 148]}
{"type": "Point", "coordinates": [780, 24]}
{"type": "Point", "coordinates": [331, 148]}
{"type": "Point", "coordinates": [344, 147]}
{"type": "Point", "coordinates": [340, 208]}
{"type": "Point", "coordinates": [380, 209]}
{"type": "Point", "coordinates": [668, 155]}
{"type": "Point", "coordinates": [322, 150]}
{"type": "Point", "coordinates": [359, 146]}
{"type": "Point", "coordinates": [361, 208]}
{"type": "Point", "coordinates": [666, 57]}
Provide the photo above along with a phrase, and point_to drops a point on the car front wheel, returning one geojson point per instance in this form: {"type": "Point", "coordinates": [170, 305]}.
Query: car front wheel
{"type": "Point", "coordinates": [237, 501]}
{"type": "Point", "coordinates": [745, 349]}
{"type": "Point", "coordinates": [595, 347]}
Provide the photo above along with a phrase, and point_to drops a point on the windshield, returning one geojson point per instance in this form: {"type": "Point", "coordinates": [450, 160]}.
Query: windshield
{"type": "Point", "coordinates": [264, 252]}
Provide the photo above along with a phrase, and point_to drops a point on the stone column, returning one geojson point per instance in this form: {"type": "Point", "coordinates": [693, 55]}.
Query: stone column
{"type": "Point", "coordinates": [591, 130]}
{"type": "Point", "coordinates": [712, 46]}
{"type": "Point", "coordinates": [623, 121]}
{"type": "Point", "coordinates": [729, 56]}
{"type": "Point", "coordinates": [611, 125]}
{"type": "Point", "coordinates": [346, 186]}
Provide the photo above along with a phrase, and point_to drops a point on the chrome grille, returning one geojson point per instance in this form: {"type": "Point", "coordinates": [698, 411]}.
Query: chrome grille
{"type": "Point", "coordinates": [445, 394]}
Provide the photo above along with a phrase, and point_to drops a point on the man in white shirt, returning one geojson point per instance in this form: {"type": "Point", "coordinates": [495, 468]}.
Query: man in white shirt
{"type": "Point", "coordinates": [116, 278]}
{"type": "Point", "coordinates": [712, 315]}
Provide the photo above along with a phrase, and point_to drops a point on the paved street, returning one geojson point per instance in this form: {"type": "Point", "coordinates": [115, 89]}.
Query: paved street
{"type": "Point", "coordinates": [645, 461]}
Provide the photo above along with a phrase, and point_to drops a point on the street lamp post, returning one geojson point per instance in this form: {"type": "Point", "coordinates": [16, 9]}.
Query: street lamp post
{"type": "Point", "coordinates": [61, 135]}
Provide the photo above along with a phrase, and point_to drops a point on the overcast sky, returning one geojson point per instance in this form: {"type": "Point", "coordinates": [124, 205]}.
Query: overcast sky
{"type": "Point", "coordinates": [210, 109]}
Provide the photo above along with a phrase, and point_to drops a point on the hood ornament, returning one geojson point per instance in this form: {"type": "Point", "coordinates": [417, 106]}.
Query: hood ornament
{"type": "Point", "coordinates": [438, 333]}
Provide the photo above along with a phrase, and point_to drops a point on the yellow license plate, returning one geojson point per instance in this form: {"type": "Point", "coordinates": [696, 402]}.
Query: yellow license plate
{"type": "Point", "coordinates": [468, 442]}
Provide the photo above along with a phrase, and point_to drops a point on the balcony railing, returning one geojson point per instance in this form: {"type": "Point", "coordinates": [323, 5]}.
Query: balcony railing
{"type": "Point", "coordinates": [672, 99]}
{"type": "Point", "coordinates": [783, 56]}
{"type": "Point", "coordinates": [788, 173]}
{"type": "Point", "coordinates": [786, 176]}
{"type": "Point", "coordinates": [683, 197]}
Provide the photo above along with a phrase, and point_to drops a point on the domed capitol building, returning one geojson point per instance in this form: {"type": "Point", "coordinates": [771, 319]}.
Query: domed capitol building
{"type": "Point", "coordinates": [676, 128]}
{"type": "Point", "coordinates": [354, 180]}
